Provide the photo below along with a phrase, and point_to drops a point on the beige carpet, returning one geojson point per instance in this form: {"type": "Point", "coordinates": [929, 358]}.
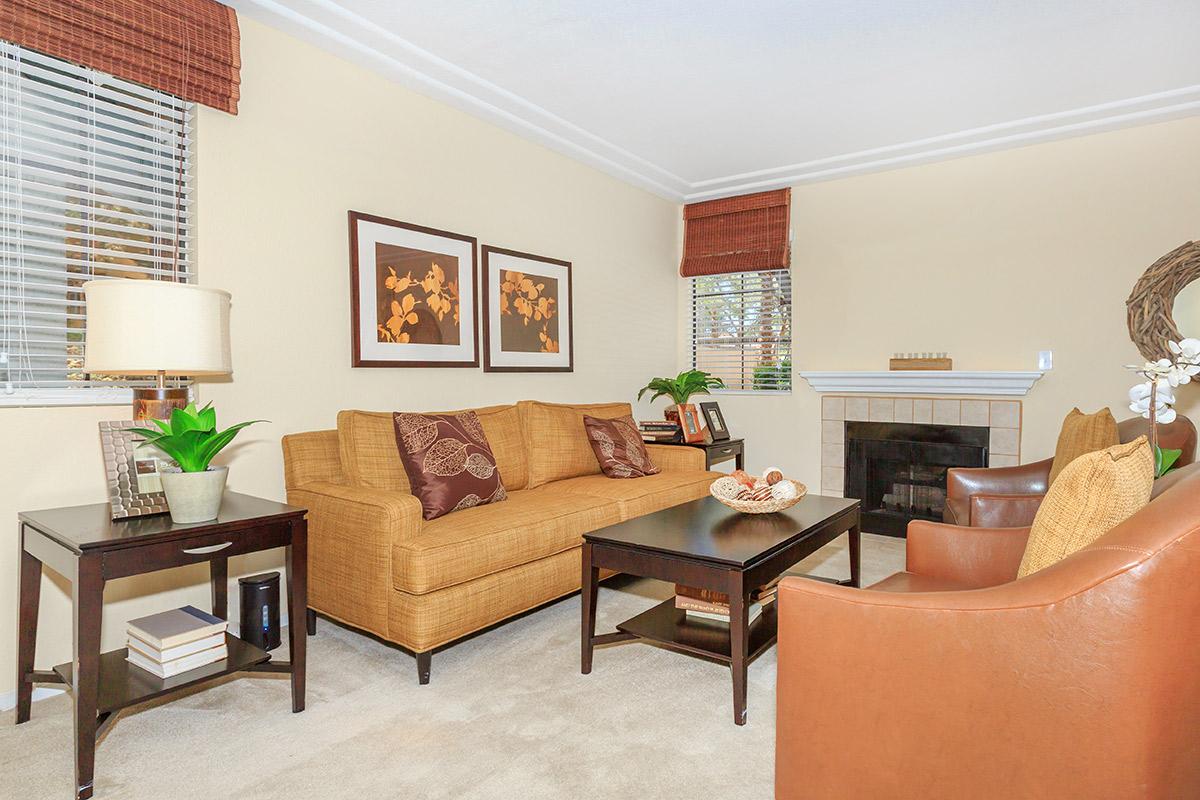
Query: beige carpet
{"type": "Point", "coordinates": [507, 715]}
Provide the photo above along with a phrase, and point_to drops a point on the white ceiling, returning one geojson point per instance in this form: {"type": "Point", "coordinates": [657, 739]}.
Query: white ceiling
{"type": "Point", "coordinates": [698, 98]}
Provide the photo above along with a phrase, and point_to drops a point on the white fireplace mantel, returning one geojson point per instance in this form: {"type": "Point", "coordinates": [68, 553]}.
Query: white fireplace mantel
{"type": "Point", "coordinates": [931, 382]}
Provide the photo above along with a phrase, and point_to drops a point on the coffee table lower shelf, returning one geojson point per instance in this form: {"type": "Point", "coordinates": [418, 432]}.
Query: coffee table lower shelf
{"type": "Point", "coordinates": [122, 684]}
{"type": "Point", "coordinates": [671, 627]}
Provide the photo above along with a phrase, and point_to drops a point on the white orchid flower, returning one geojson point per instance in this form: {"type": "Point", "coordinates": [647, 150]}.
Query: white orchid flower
{"type": "Point", "coordinates": [1139, 401]}
{"type": "Point", "coordinates": [1186, 350]}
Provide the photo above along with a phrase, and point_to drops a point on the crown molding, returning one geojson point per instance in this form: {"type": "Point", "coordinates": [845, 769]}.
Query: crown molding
{"type": "Point", "coordinates": [331, 27]}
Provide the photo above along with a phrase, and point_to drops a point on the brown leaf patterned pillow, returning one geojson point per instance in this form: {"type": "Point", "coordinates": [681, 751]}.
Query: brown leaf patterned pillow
{"type": "Point", "coordinates": [619, 448]}
{"type": "Point", "coordinates": [448, 460]}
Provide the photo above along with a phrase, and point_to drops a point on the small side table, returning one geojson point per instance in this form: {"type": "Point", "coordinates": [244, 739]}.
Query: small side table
{"type": "Point", "coordinates": [716, 452]}
{"type": "Point", "coordinates": [84, 545]}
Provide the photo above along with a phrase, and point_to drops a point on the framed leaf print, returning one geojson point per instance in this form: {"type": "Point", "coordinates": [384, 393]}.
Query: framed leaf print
{"type": "Point", "coordinates": [527, 315]}
{"type": "Point", "coordinates": [412, 295]}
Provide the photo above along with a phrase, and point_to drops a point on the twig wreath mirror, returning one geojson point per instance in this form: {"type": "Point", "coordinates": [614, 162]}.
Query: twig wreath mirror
{"type": "Point", "coordinates": [1152, 300]}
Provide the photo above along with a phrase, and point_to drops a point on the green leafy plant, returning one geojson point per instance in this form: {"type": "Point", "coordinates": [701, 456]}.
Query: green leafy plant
{"type": "Point", "coordinates": [769, 376]}
{"type": "Point", "coordinates": [191, 437]}
{"type": "Point", "coordinates": [680, 388]}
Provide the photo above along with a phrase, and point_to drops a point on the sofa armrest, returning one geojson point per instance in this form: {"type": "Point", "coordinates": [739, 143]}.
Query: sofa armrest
{"type": "Point", "coordinates": [944, 694]}
{"type": "Point", "coordinates": [351, 531]}
{"type": "Point", "coordinates": [674, 458]}
{"type": "Point", "coordinates": [962, 483]}
{"type": "Point", "coordinates": [976, 557]}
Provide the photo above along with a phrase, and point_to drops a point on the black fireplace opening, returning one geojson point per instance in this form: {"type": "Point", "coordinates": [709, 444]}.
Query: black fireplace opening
{"type": "Point", "coordinates": [898, 470]}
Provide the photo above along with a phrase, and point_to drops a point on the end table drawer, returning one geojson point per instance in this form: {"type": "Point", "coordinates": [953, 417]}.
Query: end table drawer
{"type": "Point", "coordinates": [193, 550]}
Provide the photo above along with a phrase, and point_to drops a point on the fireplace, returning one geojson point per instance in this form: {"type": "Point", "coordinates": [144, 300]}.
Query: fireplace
{"type": "Point", "coordinates": [898, 470]}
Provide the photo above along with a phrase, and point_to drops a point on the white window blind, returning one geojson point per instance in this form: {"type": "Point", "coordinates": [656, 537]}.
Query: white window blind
{"type": "Point", "coordinates": [742, 329]}
{"type": "Point", "coordinates": [90, 187]}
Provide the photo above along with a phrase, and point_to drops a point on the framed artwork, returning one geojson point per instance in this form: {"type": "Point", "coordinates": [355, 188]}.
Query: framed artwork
{"type": "Point", "coordinates": [132, 470]}
{"type": "Point", "coordinates": [689, 424]}
{"type": "Point", "coordinates": [412, 295]}
{"type": "Point", "coordinates": [715, 421]}
{"type": "Point", "coordinates": [527, 316]}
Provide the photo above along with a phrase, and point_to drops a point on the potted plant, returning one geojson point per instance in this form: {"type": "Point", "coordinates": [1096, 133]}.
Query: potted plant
{"type": "Point", "coordinates": [679, 389]}
{"type": "Point", "coordinates": [191, 439]}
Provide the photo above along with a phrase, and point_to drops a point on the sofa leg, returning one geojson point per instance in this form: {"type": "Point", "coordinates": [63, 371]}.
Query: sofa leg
{"type": "Point", "coordinates": [423, 660]}
{"type": "Point", "coordinates": [310, 619]}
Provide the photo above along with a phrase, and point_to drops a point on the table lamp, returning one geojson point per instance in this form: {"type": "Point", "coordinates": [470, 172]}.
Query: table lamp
{"type": "Point", "coordinates": [147, 327]}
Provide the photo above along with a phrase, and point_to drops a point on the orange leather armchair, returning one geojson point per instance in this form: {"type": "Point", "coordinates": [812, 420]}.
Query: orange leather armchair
{"type": "Point", "coordinates": [1001, 497]}
{"type": "Point", "coordinates": [955, 680]}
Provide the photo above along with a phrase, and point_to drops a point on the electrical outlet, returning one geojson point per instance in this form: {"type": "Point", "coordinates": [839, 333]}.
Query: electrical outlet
{"type": "Point", "coordinates": [1045, 359]}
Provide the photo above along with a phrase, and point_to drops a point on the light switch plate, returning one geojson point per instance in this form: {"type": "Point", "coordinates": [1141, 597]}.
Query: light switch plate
{"type": "Point", "coordinates": [1045, 359]}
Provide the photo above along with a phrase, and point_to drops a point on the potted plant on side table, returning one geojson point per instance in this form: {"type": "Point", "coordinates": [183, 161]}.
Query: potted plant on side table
{"type": "Point", "coordinates": [191, 439]}
{"type": "Point", "coordinates": [679, 389]}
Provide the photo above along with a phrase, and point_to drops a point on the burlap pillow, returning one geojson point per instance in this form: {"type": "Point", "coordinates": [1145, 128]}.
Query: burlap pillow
{"type": "Point", "coordinates": [1083, 433]}
{"type": "Point", "coordinates": [1094, 494]}
{"type": "Point", "coordinates": [618, 447]}
{"type": "Point", "coordinates": [448, 460]}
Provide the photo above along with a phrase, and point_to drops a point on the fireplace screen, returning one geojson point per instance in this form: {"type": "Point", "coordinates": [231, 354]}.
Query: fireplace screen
{"type": "Point", "coordinates": [898, 470]}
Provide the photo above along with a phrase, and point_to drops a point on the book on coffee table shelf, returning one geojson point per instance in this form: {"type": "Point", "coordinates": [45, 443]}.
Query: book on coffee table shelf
{"type": "Point", "coordinates": [763, 595]}
{"type": "Point", "coordinates": [175, 641]}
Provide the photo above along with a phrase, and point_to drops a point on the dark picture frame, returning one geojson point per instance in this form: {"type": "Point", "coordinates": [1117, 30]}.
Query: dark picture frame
{"type": "Point", "coordinates": [718, 431]}
{"type": "Point", "coordinates": [542, 270]}
{"type": "Point", "coordinates": [368, 233]}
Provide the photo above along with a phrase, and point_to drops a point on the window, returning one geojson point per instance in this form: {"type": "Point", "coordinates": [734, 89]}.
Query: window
{"type": "Point", "coordinates": [742, 329]}
{"type": "Point", "coordinates": [93, 171]}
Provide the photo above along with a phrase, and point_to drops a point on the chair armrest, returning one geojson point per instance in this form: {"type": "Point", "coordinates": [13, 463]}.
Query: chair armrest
{"type": "Point", "coordinates": [976, 557]}
{"type": "Point", "coordinates": [946, 694]}
{"type": "Point", "coordinates": [676, 458]}
{"type": "Point", "coordinates": [351, 531]}
{"type": "Point", "coordinates": [962, 483]}
{"type": "Point", "coordinates": [1004, 510]}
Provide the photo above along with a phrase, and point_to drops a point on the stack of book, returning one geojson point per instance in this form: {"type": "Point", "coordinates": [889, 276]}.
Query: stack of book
{"type": "Point", "coordinates": [660, 430]}
{"type": "Point", "coordinates": [705, 604]}
{"type": "Point", "coordinates": [175, 641]}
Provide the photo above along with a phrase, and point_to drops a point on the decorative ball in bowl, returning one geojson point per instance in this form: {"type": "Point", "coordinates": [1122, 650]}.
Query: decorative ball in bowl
{"type": "Point", "coordinates": [766, 494]}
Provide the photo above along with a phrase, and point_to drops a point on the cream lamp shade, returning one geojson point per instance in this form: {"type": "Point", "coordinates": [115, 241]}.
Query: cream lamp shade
{"type": "Point", "coordinates": [145, 327]}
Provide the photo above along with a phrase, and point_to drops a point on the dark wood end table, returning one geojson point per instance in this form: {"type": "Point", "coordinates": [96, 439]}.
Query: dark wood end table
{"type": "Point", "coordinates": [706, 545]}
{"type": "Point", "coordinates": [84, 545]}
{"type": "Point", "coordinates": [717, 452]}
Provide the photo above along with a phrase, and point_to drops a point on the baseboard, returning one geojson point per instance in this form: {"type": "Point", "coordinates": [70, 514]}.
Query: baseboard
{"type": "Point", "coordinates": [8, 700]}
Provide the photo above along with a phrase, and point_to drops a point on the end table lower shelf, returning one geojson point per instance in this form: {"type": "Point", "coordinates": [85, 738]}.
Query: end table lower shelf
{"type": "Point", "coordinates": [670, 627]}
{"type": "Point", "coordinates": [123, 684]}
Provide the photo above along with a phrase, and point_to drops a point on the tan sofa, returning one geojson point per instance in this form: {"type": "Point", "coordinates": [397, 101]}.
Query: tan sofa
{"type": "Point", "coordinates": [375, 564]}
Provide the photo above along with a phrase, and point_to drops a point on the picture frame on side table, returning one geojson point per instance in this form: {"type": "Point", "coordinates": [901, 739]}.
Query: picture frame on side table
{"type": "Point", "coordinates": [718, 431]}
{"type": "Point", "coordinates": [527, 313]}
{"type": "Point", "coordinates": [689, 423]}
{"type": "Point", "coordinates": [413, 295]}
{"type": "Point", "coordinates": [131, 471]}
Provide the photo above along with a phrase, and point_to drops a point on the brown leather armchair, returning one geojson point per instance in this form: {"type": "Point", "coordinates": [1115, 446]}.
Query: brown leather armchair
{"type": "Point", "coordinates": [954, 680]}
{"type": "Point", "coordinates": [1001, 497]}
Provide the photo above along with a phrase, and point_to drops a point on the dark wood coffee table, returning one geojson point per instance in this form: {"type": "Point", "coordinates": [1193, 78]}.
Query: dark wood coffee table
{"type": "Point", "coordinates": [709, 546]}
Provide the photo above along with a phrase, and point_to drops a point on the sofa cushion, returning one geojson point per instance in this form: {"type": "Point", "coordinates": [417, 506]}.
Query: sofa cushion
{"type": "Point", "coordinates": [479, 541]}
{"type": "Point", "coordinates": [367, 443]}
{"type": "Point", "coordinates": [556, 442]}
{"type": "Point", "coordinates": [1094, 494]}
{"type": "Point", "coordinates": [1081, 434]}
{"type": "Point", "coordinates": [644, 495]}
{"type": "Point", "coordinates": [618, 447]}
{"type": "Point", "coordinates": [449, 463]}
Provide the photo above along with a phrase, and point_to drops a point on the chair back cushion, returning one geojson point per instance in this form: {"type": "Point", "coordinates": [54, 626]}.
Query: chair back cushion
{"type": "Point", "coordinates": [448, 461]}
{"type": "Point", "coordinates": [370, 457]}
{"type": "Point", "coordinates": [1083, 433]}
{"type": "Point", "coordinates": [556, 442]}
{"type": "Point", "coordinates": [1095, 493]}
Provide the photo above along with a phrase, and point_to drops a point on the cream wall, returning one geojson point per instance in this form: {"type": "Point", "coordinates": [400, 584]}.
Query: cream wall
{"type": "Point", "coordinates": [992, 258]}
{"type": "Point", "coordinates": [316, 137]}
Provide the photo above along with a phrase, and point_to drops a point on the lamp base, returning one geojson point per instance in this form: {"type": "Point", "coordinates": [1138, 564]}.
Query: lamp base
{"type": "Point", "coordinates": [154, 403]}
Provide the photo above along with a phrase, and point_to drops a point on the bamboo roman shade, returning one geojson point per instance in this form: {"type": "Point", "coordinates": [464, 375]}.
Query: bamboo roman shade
{"type": "Point", "coordinates": [188, 48]}
{"type": "Point", "coordinates": [749, 233]}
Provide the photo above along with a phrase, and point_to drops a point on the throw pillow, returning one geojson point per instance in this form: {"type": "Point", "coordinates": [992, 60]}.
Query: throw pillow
{"type": "Point", "coordinates": [449, 463]}
{"type": "Point", "coordinates": [1083, 433]}
{"type": "Point", "coordinates": [1094, 494]}
{"type": "Point", "coordinates": [619, 447]}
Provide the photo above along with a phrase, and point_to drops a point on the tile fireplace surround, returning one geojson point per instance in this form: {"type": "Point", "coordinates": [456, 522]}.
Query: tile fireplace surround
{"type": "Point", "coordinates": [1001, 417]}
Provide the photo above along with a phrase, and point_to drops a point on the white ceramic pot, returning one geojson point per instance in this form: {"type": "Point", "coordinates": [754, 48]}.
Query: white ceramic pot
{"type": "Point", "coordinates": [195, 496]}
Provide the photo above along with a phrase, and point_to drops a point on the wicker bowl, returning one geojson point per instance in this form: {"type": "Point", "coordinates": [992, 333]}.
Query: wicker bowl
{"type": "Point", "coordinates": [757, 506]}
